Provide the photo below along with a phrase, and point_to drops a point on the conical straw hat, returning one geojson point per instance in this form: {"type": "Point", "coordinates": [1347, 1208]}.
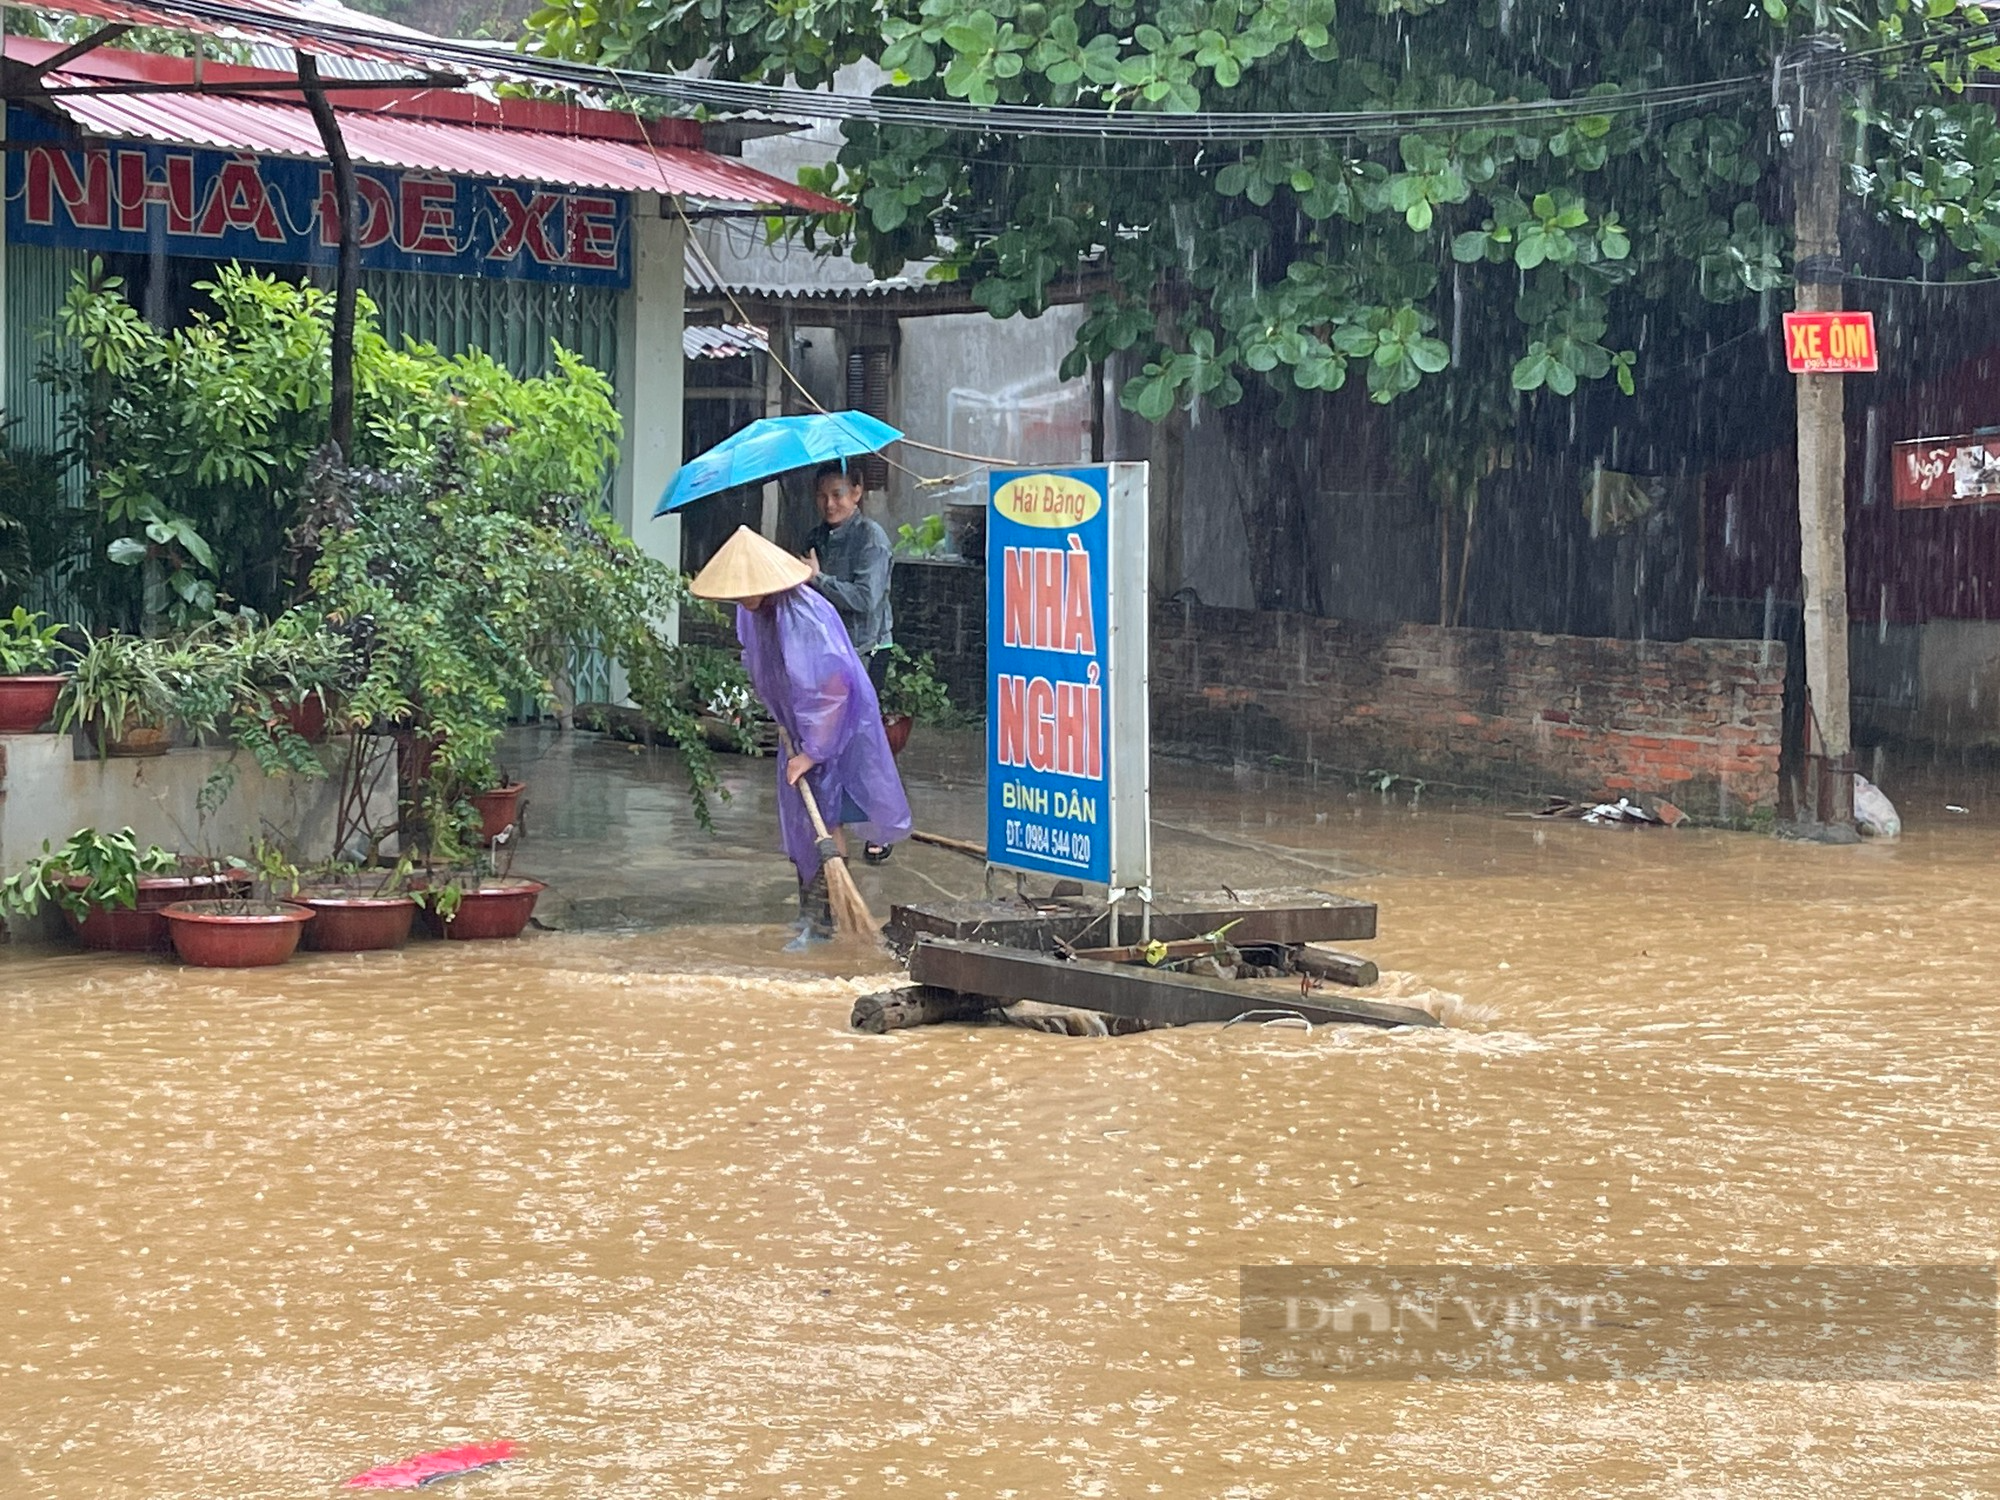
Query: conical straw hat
{"type": "Point", "coordinates": [749, 567]}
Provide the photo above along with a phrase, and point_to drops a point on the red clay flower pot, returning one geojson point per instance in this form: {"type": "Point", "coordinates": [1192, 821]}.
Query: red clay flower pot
{"type": "Point", "coordinates": [897, 728]}
{"type": "Point", "coordinates": [357, 924]}
{"type": "Point", "coordinates": [306, 718]}
{"type": "Point", "coordinates": [497, 809]}
{"type": "Point", "coordinates": [140, 929]}
{"type": "Point", "coordinates": [28, 702]}
{"type": "Point", "coordinates": [498, 909]}
{"type": "Point", "coordinates": [223, 935]}
{"type": "Point", "coordinates": [131, 739]}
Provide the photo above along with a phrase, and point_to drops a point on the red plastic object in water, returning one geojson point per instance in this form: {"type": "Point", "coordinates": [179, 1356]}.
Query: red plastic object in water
{"type": "Point", "coordinates": [425, 1467]}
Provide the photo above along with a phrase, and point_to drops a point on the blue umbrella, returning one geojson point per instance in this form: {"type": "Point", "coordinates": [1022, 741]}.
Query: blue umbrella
{"type": "Point", "coordinates": [772, 446]}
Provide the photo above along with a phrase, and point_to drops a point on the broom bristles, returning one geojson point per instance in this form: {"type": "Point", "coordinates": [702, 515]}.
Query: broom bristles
{"type": "Point", "coordinates": [851, 916]}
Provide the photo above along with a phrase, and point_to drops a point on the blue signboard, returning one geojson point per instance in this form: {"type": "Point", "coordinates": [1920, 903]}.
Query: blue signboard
{"type": "Point", "coordinates": [1065, 644]}
{"type": "Point", "coordinates": [135, 198]}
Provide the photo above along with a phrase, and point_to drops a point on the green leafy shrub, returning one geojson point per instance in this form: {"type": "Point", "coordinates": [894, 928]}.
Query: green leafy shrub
{"type": "Point", "coordinates": [925, 538]}
{"type": "Point", "coordinates": [111, 864]}
{"type": "Point", "coordinates": [911, 686]}
{"type": "Point", "coordinates": [28, 645]}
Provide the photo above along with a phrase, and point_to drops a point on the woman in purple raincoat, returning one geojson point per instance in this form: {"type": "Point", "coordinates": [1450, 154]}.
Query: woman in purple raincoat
{"type": "Point", "coordinates": [804, 668]}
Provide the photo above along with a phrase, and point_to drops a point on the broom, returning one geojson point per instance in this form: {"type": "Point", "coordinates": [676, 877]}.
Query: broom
{"type": "Point", "coordinates": [851, 916]}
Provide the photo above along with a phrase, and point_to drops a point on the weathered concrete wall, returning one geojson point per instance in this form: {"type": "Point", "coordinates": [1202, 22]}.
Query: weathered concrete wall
{"type": "Point", "coordinates": [1937, 683]}
{"type": "Point", "coordinates": [46, 793]}
{"type": "Point", "coordinates": [978, 385]}
{"type": "Point", "coordinates": [1696, 721]}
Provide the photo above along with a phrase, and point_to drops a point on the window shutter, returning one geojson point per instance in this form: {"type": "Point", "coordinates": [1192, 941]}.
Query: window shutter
{"type": "Point", "coordinates": [868, 391]}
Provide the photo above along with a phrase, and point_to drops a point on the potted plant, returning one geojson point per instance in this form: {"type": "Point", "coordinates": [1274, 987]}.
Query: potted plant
{"type": "Point", "coordinates": [288, 672]}
{"type": "Point", "coordinates": [358, 908]}
{"type": "Point", "coordinates": [236, 932]}
{"type": "Point", "coordinates": [245, 926]}
{"type": "Point", "coordinates": [911, 691]}
{"type": "Point", "coordinates": [110, 890]}
{"type": "Point", "coordinates": [479, 899]}
{"type": "Point", "coordinates": [477, 907]}
{"type": "Point", "coordinates": [30, 653]}
{"type": "Point", "coordinates": [120, 697]}
{"type": "Point", "coordinates": [498, 805]}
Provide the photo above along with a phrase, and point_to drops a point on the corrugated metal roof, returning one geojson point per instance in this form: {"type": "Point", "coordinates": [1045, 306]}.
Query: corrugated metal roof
{"type": "Point", "coordinates": [289, 17]}
{"type": "Point", "coordinates": [730, 341]}
{"type": "Point", "coordinates": [432, 130]}
{"type": "Point", "coordinates": [793, 274]}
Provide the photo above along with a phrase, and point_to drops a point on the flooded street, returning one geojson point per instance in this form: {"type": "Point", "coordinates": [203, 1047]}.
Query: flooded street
{"type": "Point", "coordinates": [642, 1202]}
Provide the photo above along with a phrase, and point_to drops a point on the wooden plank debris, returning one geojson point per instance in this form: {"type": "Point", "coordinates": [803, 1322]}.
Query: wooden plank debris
{"type": "Point", "coordinates": [1046, 927]}
{"type": "Point", "coordinates": [1331, 963]}
{"type": "Point", "coordinates": [1008, 974]}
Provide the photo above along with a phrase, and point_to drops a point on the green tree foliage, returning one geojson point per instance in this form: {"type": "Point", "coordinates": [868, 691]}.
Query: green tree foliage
{"type": "Point", "coordinates": [463, 557]}
{"type": "Point", "coordinates": [1568, 239]}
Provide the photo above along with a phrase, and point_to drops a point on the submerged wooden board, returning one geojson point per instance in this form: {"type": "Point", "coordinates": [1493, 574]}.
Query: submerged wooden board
{"type": "Point", "coordinates": [1009, 924]}
{"type": "Point", "coordinates": [1124, 990]}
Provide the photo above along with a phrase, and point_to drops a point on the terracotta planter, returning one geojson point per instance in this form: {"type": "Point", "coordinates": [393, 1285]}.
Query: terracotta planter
{"type": "Point", "coordinates": [140, 929]}
{"type": "Point", "coordinates": [28, 702]}
{"type": "Point", "coordinates": [132, 739]}
{"type": "Point", "coordinates": [307, 718]}
{"type": "Point", "coordinates": [221, 935]}
{"type": "Point", "coordinates": [357, 924]}
{"type": "Point", "coordinates": [897, 728]}
{"type": "Point", "coordinates": [497, 809]}
{"type": "Point", "coordinates": [498, 909]}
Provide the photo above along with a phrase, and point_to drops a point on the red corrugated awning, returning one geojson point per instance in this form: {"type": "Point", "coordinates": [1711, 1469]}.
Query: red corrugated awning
{"type": "Point", "coordinates": [319, 28]}
{"type": "Point", "coordinates": [427, 130]}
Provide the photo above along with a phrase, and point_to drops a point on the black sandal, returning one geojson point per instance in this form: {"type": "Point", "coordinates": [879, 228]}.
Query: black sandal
{"type": "Point", "coordinates": [875, 854]}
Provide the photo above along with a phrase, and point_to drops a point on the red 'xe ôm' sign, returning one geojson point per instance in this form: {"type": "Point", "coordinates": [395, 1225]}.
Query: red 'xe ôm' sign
{"type": "Point", "coordinates": [1830, 343]}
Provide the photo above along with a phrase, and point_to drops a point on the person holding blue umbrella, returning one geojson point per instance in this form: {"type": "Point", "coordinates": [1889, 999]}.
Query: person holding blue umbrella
{"type": "Point", "coordinates": [851, 559]}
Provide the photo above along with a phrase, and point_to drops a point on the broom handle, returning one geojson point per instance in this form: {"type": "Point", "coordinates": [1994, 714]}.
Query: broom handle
{"type": "Point", "coordinates": [827, 849]}
{"type": "Point", "coordinates": [957, 846]}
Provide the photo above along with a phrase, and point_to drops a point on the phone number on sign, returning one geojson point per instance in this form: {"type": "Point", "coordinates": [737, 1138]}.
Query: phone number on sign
{"type": "Point", "coordinates": [1066, 844]}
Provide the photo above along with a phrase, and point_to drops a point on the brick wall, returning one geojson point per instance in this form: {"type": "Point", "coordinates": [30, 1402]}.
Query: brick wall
{"type": "Point", "coordinates": [941, 608]}
{"type": "Point", "coordinates": [1698, 722]}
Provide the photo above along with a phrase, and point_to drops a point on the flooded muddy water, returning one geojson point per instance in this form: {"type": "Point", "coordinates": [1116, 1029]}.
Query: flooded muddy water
{"type": "Point", "coordinates": [644, 1204]}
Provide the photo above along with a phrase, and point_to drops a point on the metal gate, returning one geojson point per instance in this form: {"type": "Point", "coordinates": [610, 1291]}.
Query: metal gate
{"type": "Point", "coordinates": [516, 322]}
{"type": "Point", "coordinates": [37, 281]}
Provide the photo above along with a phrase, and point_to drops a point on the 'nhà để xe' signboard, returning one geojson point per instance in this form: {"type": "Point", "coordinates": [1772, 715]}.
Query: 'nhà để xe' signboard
{"type": "Point", "coordinates": [1068, 745]}
{"type": "Point", "coordinates": [134, 197]}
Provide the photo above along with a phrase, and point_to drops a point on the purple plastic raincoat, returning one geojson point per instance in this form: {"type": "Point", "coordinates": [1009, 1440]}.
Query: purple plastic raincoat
{"type": "Point", "coordinates": [805, 669]}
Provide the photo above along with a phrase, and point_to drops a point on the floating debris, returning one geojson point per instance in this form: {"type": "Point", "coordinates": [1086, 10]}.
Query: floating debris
{"type": "Point", "coordinates": [413, 1473]}
{"type": "Point", "coordinates": [1663, 814]}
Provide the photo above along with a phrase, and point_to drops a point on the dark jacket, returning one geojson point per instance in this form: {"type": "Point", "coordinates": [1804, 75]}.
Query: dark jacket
{"type": "Point", "coordinates": [854, 561]}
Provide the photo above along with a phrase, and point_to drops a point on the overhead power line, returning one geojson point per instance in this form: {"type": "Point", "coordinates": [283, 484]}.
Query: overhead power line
{"type": "Point", "coordinates": [963, 117]}
{"type": "Point", "coordinates": [952, 114]}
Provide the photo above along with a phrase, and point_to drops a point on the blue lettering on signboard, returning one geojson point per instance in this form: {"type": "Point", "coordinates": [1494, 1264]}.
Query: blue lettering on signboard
{"type": "Point", "coordinates": [213, 205]}
{"type": "Point", "coordinates": [1048, 727]}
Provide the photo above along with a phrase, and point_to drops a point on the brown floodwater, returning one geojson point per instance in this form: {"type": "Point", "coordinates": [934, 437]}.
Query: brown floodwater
{"type": "Point", "coordinates": [642, 1203]}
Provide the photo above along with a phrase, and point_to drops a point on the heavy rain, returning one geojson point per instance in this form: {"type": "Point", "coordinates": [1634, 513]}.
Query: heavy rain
{"type": "Point", "coordinates": [1233, 748]}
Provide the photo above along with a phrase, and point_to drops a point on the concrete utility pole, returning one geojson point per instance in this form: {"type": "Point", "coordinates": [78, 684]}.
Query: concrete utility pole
{"type": "Point", "coordinates": [1811, 72]}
